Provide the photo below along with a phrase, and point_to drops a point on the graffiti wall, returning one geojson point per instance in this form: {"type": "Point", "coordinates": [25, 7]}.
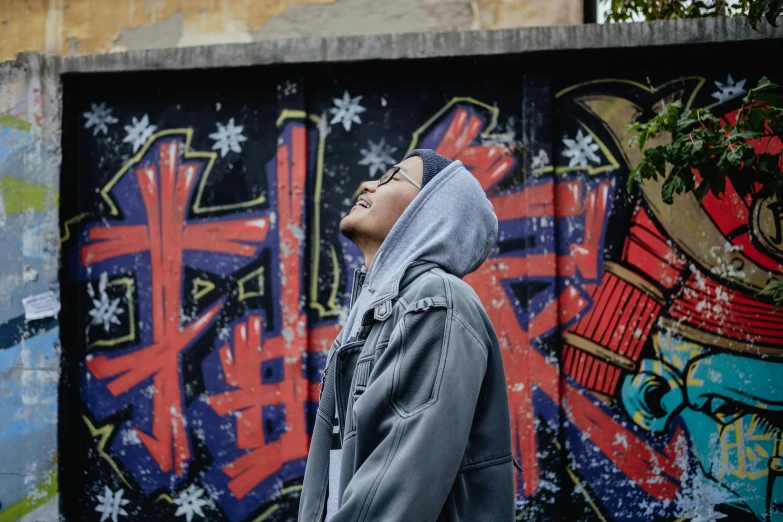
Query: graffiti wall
{"type": "Point", "coordinates": [29, 293]}
{"type": "Point", "coordinates": [205, 281]}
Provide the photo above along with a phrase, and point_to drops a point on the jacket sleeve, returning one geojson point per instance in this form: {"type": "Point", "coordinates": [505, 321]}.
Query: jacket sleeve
{"type": "Point", "coordinates": [414, 418]}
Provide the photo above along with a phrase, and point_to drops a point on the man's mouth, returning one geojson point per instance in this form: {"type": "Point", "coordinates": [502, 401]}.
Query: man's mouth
{"type": "Point", "coordinates": [363, 203]}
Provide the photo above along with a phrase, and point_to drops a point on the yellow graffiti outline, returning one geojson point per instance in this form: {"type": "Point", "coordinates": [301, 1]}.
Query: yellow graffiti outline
{"type": "Point", "coordinates": [74, 220]}
{"type": "Point", "coordinates": [494, 111]}
{"type": "Point", "coordinates": [700, 81]}
{"type": "Point", "coordinates": [243, 294]}
{"type": "Point", "coordinates": [331, 309]}
{"type": "Point", "coordinates": [208, 287]}
{"type": "Point", "coordinates": [583, 490]}
{"type": "Point", "coordinates": [652, 90]}
{"type": "Point", "coordinates": [104, 432]}
{"type": "Point", "coordinates": [331, 305]}
{"type": "Point", "coordinates": [131, 335]}
{"type": "Point", "coordinates": [260, 518]}
{"type": "Point", "coordinates": [295, 114]}
{"type": "Point", "coordinates": [211, 157]}
{"type": "Point", "coordinates": [274, 507]}
{"type": "Point", "coordinates": [543, 170]}
{"type": "Point", "coordinates": [585, 494]}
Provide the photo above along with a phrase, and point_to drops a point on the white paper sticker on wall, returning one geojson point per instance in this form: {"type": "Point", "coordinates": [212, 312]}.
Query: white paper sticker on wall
{"type": "Point", "coordinates": [40, 306]}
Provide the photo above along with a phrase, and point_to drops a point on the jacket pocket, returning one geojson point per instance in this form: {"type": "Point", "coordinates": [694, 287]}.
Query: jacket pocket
{"type": "Point", "coordinates": [422, 353]}
{"type": "Point", "coordinates": [361, 379]}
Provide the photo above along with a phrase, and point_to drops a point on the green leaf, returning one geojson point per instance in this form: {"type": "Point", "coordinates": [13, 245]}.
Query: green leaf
{"type": "Point", "coordinates": [764, 85]}
{"type": "Point", "coordinates": [673, 185]}
{"type": "Point", "coordinates": [774, 290]}
{"type": "Point", "coordinates": [746, 135]}
{"type": "Point", "coordinates": [702, 190]}
{"type": "Point", "coordinates": [769, 98]}
{"type": "Point", "coordinates": [634, 179]}
{"type": "Point", "coordinates": [773, 13]}
{"type": "Point", "coordinates": [769, 165]}
{"type": "Point", "coordinates": [755, 120]}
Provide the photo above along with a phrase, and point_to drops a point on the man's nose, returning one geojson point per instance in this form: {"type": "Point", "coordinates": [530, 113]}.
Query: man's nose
{"type": "Point", "coordinates": [369, 186]}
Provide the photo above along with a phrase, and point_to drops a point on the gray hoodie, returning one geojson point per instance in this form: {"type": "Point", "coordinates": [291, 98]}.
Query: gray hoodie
{"type": "Point", "coordinates": [450, 223]}
{"type": "Point", "coordinates": [418, 383]}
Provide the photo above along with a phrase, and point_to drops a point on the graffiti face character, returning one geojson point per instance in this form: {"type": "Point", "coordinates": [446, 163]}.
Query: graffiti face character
{"type": "Point", "coordinates": [732, 407]}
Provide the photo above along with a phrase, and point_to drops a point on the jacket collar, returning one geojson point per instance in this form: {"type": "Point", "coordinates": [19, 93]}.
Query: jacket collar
{"type": "Point", "coordinates": [359, 275]}
{"type": "Point", "coordinates": [391, 289]}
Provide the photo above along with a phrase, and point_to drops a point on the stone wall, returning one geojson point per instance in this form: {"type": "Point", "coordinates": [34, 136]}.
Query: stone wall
{"type": "Point", "coordinates": [87, 27]}
{"type": "Point", "coordinates": [198, 203]}
{"type": "Point", "coordinates": [29, 343]}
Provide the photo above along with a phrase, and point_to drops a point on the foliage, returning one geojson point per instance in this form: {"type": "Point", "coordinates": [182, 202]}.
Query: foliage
{"type": "Point", "coordinates": [774, 290]}
{"type": "Point", "coordinates": [755, 10]}
{"type": "Point", "coordinates": [702, 144]}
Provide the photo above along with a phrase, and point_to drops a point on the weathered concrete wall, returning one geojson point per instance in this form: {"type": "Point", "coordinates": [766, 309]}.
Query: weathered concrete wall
{"type": "Point", "coordinates": [29, 349]}
{"type": "Point", "coordinates": [88, 27]}
{"type": "Point", "coordinates": [208, 280]}
{"type": "Point", "coordinates": [638, 290]}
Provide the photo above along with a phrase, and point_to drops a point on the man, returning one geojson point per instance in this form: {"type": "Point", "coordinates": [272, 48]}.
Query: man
{"type": "Point", "coordinates": [413, 420]}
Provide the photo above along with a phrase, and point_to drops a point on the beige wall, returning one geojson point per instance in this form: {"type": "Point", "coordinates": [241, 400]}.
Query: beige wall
{"type": "Point", "coordinates": [69, 27]}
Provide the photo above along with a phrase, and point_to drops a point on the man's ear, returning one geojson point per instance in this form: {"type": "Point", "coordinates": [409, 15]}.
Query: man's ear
{"type": "Point", "coordinates": [653, 395]}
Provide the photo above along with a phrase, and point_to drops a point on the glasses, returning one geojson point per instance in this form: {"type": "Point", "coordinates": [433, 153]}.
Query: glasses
{"type": "Point", "coordinates": [389, 175]}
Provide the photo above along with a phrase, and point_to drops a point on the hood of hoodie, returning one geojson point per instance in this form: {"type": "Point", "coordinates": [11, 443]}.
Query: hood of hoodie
{"type": "Point", "coordinates": [450, 222]}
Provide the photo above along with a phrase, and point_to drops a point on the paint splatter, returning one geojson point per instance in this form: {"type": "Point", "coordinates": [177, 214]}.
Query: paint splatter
{"type": "Point", "coordinates": [99, 118]}
{"type": "Point", "coordinates": [138, 132]}
{"type": "Point", "coordinates": [110, 504]}
{"type": "Point", "coordinates": [377, 156]}
{"type": "Point", "coordinates": [105, 311]}
{"type": "Point", "coordinates": [347, 110]}
{"type": "Point", "coordinates": [729, 90]}
{"type": "Point", "coordinates": [228, 137]}
{"type": "Point", "coordinates": [580, 150]}
{"type": "Point", "coordinates": [190, 502]}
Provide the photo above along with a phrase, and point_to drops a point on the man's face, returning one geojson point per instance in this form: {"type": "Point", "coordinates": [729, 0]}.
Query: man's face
{"type": "Point", "coordinates": [377, 209]}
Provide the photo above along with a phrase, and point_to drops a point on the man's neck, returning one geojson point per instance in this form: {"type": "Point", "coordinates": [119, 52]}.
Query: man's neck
{"type": "Point", "coordinates": [369, 255]}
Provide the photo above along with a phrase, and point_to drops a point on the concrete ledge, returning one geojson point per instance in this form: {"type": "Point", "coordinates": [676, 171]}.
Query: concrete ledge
{"type": "Point", "coordinates": [423, 45]}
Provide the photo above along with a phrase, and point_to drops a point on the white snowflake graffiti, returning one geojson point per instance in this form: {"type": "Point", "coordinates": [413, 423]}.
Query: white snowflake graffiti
{"type": "Point", "coordinates": [504, 138]}
{"type": "Point", "coordinates": [110, 504]}
{"type": "Point", "coordinates": [228, 137]}
{"type": "Point", "coordinates": [288, 88]}
{"type": "Point", "coordinates": [729, 90]}
{"type": "Point", "coordinates": [104, 310]}
{"type": "Point", "coordinates": [580, 150]}
{"type": "Point", "coordinates": [99, 118]}
{"type": "Point", "coordinates": [540, 160]}
{"type": "Point", "coordinates": [377, 156]}
{"type": "Point", "coordinates": [138, 132]}
{"type": "Point", "coordinates": [347, 110]}
{"type": "Point", "coordinates": [189, 503]}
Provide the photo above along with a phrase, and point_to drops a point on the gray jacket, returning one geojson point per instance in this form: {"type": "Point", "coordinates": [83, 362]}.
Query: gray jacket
{"type": "Point", "coordinates": [426, 434]}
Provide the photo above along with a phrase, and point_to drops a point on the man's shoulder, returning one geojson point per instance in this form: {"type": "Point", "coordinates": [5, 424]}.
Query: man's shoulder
{"type": "Point", "coordinates": [436, 285]}
{"type": "Point", "coordinates": [437, 282]}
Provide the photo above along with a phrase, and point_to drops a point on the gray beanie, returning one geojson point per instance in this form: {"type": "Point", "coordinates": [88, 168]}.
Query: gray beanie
{"type": "Point", "coordinates": [433, 163]}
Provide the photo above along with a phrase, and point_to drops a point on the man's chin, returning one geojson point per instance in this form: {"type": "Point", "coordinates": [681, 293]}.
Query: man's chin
{"type": "Point", "coordinates": [348, 228]}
